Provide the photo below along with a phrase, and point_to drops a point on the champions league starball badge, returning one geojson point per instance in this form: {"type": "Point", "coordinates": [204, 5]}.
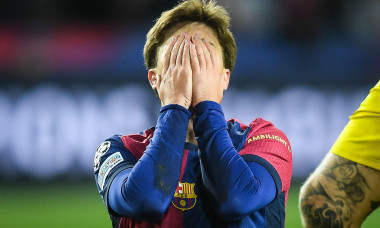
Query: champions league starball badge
{"type": "Point", "coordinates": [102, 149]}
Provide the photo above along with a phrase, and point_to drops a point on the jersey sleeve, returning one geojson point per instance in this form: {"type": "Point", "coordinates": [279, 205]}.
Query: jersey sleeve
{"type": "Point", "coordinates": [143, 189]}
{"type": "Point", "coordinates": [269, 147]}
{"type": "Point", "coordinates": [236, 187]}
{"type": "Point", "coordinates": [111, 158]}
{"type": "Point", "coordinates": [360, 139]}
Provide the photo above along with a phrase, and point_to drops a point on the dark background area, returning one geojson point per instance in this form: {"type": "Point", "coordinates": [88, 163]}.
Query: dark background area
{"type": "Point", "coordinates": [280, 42]}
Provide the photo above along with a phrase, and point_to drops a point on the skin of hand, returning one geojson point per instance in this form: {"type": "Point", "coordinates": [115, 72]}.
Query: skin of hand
{"type": "Point", "coordinates": [210, 79]}
{"type": "Point", "coordinates": [174, 83]}
{"type": "Point", "coordinates": [204, 73]}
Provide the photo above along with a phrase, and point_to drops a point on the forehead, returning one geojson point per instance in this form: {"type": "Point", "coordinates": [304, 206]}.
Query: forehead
{"type": "Point", "coordinates": [194, 28]}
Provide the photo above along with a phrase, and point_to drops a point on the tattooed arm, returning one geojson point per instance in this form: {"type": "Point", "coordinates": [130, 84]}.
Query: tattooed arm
{"type": "Point", "coordinates": [340, 193]}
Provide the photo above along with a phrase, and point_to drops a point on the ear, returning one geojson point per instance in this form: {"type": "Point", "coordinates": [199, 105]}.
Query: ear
{"type": "Point", "coordinates": [225, 78]}
{"type": "Point", "coordinates": [153, 78]}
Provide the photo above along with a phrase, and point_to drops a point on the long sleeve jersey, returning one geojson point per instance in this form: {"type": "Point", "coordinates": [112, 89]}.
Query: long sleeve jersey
{"type": "Point", "coordinates": [237, 176]}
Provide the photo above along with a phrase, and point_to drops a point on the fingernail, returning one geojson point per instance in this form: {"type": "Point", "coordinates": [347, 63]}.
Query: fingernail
{"type": "Point", "coordinates": [197, 37]}
{"type": "Point", "coordinates": [205, 40]}
{"type": "Point", "coordinates": [183, 34]}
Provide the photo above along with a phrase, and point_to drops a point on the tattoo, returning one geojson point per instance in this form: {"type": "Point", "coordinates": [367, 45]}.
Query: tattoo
{"type": "Point", "coordinates": [331, 202]}
{"type": "Point", "coordinates": [186, 101]}
{"type": "Point", "coordinates": [321, 211]}
{"type": "Point", "coordinates": [348, 179]}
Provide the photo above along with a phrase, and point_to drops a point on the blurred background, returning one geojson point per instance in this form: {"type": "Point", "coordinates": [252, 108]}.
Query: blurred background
{"type": "Point", "coordinates": [72, 74]}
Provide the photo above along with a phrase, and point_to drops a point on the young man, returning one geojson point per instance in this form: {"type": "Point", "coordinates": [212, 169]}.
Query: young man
{"type": "Point", "coordinates": [344, 189]}
{"type": "Point", "coordinates": [194, 168]}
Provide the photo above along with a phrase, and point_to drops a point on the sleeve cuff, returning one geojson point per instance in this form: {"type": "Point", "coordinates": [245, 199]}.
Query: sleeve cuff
{"type": "Point", "coordinates": [176, 106]}
{"type": "Point", "coordinates": [201, 107]}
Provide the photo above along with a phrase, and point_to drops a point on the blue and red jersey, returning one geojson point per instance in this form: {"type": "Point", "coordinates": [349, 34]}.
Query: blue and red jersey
{"type": "Point", "coordinates": [237, 176]}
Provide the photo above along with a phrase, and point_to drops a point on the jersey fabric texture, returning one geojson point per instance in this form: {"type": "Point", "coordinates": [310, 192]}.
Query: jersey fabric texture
{"type": "Point", "coordinates": [360, 139]}
{"type": "Point", "coordinates": [238, 176]}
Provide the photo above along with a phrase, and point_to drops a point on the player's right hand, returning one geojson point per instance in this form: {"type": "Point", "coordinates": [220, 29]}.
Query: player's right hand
{"type": "Point", "coordinates": [175, 82]}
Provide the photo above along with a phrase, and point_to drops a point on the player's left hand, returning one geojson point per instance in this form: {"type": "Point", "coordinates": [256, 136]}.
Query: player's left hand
{"type": "Point", "coordinates": [208, 72]}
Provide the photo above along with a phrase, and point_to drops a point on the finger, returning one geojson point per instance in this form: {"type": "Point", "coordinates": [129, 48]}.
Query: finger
{"type": "Point", "coordinates": [168, 52]}
{"type": "Point", "coordinates": [199, 49]}
{"type": "Point", "coordinates": [180, 53]}
{"type": "Point", "coordinates": [194, 58]}
{"type": "Point", "coordinates": [186, 54]}
{"type": "Point", "coordinates": [173, 55]}
{"type": "Point", "coordinates": [211, 50]}
{"type": "Point", "coordinates": [207, 55]}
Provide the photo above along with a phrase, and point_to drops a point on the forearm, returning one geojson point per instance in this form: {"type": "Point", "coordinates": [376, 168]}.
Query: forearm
{"type": "Point", "coordinates": [234, 188]}
{"type": "Point", "coordinates": [146, 190]}
{"type": "Point", "coordinates": [339, 194]}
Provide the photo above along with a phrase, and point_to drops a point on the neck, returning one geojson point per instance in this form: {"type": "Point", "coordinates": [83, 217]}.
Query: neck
{"type": "Point", "coordinates": [190, 137]}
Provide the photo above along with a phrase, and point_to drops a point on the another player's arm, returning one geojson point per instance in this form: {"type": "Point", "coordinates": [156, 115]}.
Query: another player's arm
{"type": "Point", "coordinates": [340, 193]}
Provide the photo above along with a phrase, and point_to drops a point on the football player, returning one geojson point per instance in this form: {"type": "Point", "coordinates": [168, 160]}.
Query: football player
{"type": "Point", "coordinates": [194, 168]}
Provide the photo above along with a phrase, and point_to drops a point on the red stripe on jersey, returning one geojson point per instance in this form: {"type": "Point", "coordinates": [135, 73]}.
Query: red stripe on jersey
{"type": "Point", "coordinates": [136, 144]}
{"type": "Point", "coordinates": [183, 164]}
{"type": "Point", "coordinates": [130, 223]}
{"type": "Point", "coordinates": [172, 218]}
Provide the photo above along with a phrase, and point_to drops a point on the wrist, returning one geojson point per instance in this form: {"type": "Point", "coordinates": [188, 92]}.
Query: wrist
{"type": "Point", "coordinates": [195, 102]}
{"type": "Point", "coordinates": [184, 102]}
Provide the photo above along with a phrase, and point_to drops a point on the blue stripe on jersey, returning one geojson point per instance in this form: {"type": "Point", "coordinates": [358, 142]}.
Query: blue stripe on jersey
{"type": "Point", "coordinates": [275, 212]}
